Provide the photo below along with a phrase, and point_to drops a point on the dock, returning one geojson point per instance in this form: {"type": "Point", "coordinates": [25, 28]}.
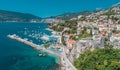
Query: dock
{"type": "Point", "coordinates": [31, 44]}
{"type": "Point", "coordinates": [62, 56]}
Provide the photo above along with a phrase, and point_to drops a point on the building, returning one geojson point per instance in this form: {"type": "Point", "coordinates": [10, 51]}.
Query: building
{"type": "Point", "coordinates": [80, 16]}
{"type": "Point", "coordinates": [88, 31]}
{"type": "Point", "coordinates": [118, 27]}
{"type": "Point", "coordinates": [79, 31]}
{"type": "Point", "coordinates": [95, 32]}
{"type": "Point", "coordinates": [115, 37]}
{"type": "Point", "coordinates": [70, 44]}
{"type": "Point", "coordinates": [98, 41]}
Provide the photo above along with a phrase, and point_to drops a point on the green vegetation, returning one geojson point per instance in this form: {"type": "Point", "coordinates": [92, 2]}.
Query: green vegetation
{"type": "Point", "coordinates": [101, 59]}
{"type": "Point", "coordinates": [96, 28]}
{"type": "Point", "coordinates": [46, 45]}
{"type": "Point", "coordinates": [91, 20]}
{"type": "Point", "coordinates": [16, 16]}
{"type": "Point", "coordinates": [74, 37]}
{"type": "Point", "coordinates": [119, 22]}
{"type": "Point", "coordinates": [71, 27]}
{"type": "Point", "coordinates": [58, 28]}
{"type": "Point", "coordinates": [115, 31]}
{"type": "Point", "coordinates": [85, 33]}
{"type": "Point", "coordinates": [82, 19]}
{"type": "Point", "coordinates": [114, 18]}
{"type": "Point", "coordinates": [69, 15]}
{"type": "Point", "coordinates": [68, 24]}
{"type": "Point", "coordinates": [106, 38]}
{"type": "Point", "coordinates": [110, 12]}
{"type": "Point", "coordinates": [63, 41]}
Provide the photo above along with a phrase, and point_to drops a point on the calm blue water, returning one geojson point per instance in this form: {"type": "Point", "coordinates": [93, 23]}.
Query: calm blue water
{"type": "Point", "coordinates": [18, 56]}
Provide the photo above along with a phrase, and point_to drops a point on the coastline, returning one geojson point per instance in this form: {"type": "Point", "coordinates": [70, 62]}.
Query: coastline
{"type": "Point", "coordinates": [60, 59]}
{"type": "Point", "coordinates": [19, 22]}
{"type": "Point", "coordinates": [37, 47]}
{"type": "Point", "coordinates": [63, 58]}
{"type": "Point", "coordinates": [21, 51]}
{"type": "Point", "coordinates": [49, 30]}
{"type": "Point", "coordinates": [57, 58]}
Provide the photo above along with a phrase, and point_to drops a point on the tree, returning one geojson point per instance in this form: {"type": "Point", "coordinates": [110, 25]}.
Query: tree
{"type": "Point", "coordinates": [91, 32]}
{"type": "Point", "coordinates": [110, 12]}
{"type": "Point", "coordinates": [82, 19]}
{"type": "Point", "coordinates": [63, 41]}
{"type": "Point", "coordinates": [99, 60]}
{"type": "Point", "coordinates": [46, 45]}
{"type": "Point", "coordinates": [119, 22]}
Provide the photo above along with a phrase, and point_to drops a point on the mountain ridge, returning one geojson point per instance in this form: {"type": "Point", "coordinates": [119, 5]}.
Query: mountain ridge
{"type": "Point", "coordinates": [17, 16]}
{"type": "Point", "coordinates": [70, 15]}
{"type": "Point", "coordinates": [26, 17]}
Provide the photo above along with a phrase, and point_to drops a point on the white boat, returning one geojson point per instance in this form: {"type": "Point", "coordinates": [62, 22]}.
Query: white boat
{"type": "Point", "coordinates": [45, 37]}
{"type": "Point", "coordinates": [41, 54]}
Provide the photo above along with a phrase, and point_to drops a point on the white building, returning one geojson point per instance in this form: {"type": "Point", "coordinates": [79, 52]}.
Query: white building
{"type": "Point", "coordinates": [80, 16]}
{"type": "Point", "coordinates": [95, 32]}
{"type": "Point", "coordinates": [118, 27]}
{"type": "Point", "coordinates": [115, 37]}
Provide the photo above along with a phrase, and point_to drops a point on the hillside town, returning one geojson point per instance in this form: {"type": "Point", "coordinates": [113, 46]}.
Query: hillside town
{"type": "Point", "coordinates": [94, 31]}
{"type": "Point", "coordinates": [72, 38]}
{"type": "Point", "coordinates": [60, 35]}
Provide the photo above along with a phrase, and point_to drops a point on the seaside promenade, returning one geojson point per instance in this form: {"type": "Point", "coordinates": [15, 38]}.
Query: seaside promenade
{"type": "Point", "coordinates": [62, 56]}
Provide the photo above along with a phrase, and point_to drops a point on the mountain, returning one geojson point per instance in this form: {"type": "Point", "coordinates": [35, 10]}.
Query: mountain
{"type": "Point", "coordinates": [68, 16]}
{"type": "Point", "coordinates": [17, 17]}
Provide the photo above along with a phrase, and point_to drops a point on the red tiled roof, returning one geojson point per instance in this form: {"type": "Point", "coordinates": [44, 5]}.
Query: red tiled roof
{"type": "Point", "coordinates": [99, 34]}
{"type": "Point", "coordinates": [100, 26]}
{"type": "Point", "coordinates": [69, 35]}
{"type": "Point", "coordinates": [118, 35]}
{"type": "Point", "coordinates": [71, 41]}
{"type": "Point", "coordinates": [103, 31]}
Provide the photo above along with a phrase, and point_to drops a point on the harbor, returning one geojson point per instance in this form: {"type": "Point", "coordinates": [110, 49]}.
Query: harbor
{"type": "Point", "coordinates": [30, 43]}
{"type": "Point", "coordinates": [64, 61]}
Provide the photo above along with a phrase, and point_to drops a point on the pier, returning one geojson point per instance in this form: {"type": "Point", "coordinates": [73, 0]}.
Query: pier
{"type": "Point", "coordinates": [62, 56]}
{"type": "Point", "coordinates": [35, 46]}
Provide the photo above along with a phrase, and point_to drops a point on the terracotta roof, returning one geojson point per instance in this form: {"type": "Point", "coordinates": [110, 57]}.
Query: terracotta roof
{"type": "Point", "coordinates": [69, 35]}
{"type": "Point", "coordinates": [103, 31]}
{"type": "Point", "coordinates": [99, 34]}
{"type": "Point", "coordinates": [118, 35]}
{"type": "Point", "coordinates": [71, 41]}
{"type": "Point", "coordinates": [70, 48]}
{"type": "Point", "coordinates": [100, 26]}
{"type": "Point", "coordinates": [58, 46]}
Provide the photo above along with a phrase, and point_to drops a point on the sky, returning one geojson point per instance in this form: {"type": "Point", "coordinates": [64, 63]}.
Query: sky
{"type": "Point", "coordinates": [46, 8]}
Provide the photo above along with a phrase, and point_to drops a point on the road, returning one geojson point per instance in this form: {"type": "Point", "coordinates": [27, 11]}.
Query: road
{"type": "Point", "coordinates": [66, 59]}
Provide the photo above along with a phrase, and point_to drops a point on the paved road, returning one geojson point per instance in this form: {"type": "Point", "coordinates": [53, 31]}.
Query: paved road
{"type": "Point", "coordinates": [69, 63]}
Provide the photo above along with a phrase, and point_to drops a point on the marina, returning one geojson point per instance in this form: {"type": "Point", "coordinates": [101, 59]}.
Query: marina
{"type": "Point", "coordinates": [64, 61]}
{"type": "Point", "coordinates": [30, 43]}
{"type": "Point", "coordinates": [21, 55]}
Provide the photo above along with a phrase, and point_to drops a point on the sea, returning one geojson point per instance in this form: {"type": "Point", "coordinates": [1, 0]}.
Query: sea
{"type": "Point", "coordinates": [15, 55]}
